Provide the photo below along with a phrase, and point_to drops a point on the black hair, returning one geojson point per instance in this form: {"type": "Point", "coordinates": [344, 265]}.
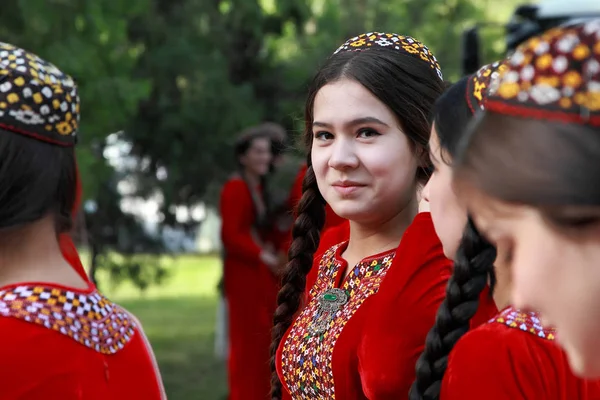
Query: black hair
{"type": "Point", "coordinates": [36, 178]}
{"type": "Point", "coordinates": [405, 84]}
{"type": "Point", "coordinates": [473, 262]}
{"type": "Point", "coordinates": [541, 163]}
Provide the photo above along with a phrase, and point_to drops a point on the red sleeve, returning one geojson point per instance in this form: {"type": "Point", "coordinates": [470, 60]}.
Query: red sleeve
{"type": "Point", "coordinates": [403, 312]}
{"type": "Point", "coordinates": [237, 216]}
{"type": "Point", "coordinates": [495, 362]}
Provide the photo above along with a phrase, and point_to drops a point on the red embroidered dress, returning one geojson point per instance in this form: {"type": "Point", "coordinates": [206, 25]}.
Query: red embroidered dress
{"type": "Point", "coordinates": [359, 337]}
{"type": "Point", "coordinates": [308, 350]}
{"type": "Point", "coordinates": [513, 356]}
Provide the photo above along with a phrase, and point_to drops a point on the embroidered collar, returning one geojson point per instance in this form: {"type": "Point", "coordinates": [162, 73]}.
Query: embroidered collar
{"type": "Point", "coordinates": [88, 318]}
{"type": "Point", "coordinates": [307, 354]}
{"type": "Point", "coordinates": [525, 321]}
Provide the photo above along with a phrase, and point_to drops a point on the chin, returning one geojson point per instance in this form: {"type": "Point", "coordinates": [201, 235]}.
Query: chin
{"type": "Point", "coordinates": [262, 171]}
{"type": "Point", "coordinates": [346, 212]}
{"type": "Point", "coordinates": [585, 365]}
{"type": "Point", "coordinates": [449, 253]}
{"type": "Point", "coordinates": [358, 215]}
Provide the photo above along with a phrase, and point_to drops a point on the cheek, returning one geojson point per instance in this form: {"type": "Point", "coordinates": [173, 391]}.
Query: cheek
{"type": "Point", "coordinates": [392, 162]}
{"type": "Point", "coordinates": [558, 278]}
{"type": "Point", "coordinates": [534, 269]}
{"type": "Point", "coordinates": [575, 307]}
{"type": "Point", "coordinates": [449, 217]}
{"type": "Point", "coordinates": [319, 159]}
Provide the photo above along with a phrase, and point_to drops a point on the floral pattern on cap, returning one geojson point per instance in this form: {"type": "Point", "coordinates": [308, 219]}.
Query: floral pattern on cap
{"type": "Point", "coordinates": [404, 44]}
{"type": "Point", "coordinates": [36, 98]}
{"type": "Point", "coordinates": [485, 79]}
{"type": "Point", "coordinates": [554, 76]}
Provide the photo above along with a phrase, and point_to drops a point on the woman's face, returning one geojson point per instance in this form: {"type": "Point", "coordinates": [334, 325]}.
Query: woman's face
{"type": "Point", "coordinates": [258, 157]}
{"type": "Point", "coordinates": [555, 271]}
{"type": "Point", "coordinates": [449, 216]}
{"type": "Point", "coordinates": [364, 164]}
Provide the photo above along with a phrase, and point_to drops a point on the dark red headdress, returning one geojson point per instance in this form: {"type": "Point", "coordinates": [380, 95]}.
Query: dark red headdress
{"type": "Point", "coordinates": [554, 76]}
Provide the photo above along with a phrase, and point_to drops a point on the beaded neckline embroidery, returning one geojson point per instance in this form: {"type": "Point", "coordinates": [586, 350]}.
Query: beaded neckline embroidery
{"type": "Point", "coordinates": [525, 321]}
{"type": "Point", "coordinates": [307, 354]}
{"type": "Point", "coordinates": [90, 319]}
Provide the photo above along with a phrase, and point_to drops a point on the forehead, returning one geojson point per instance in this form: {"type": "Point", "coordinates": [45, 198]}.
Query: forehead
{"type": "Point", "coordinates": [260, 143]}
{"type": "Point", "coordinates": [346, 100]}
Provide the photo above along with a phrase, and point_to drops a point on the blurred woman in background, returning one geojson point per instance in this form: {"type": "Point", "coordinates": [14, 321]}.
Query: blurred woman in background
{"type": "Point", "coordinates": [251, 266]}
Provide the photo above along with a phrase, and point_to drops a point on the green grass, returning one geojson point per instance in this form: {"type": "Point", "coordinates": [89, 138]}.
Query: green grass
{"type": "Point", "coordinates": [179, 317]}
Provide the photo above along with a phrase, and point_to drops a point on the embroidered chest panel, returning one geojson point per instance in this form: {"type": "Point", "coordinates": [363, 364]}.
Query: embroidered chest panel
{"type": "Point", "coordinates": [525, 321]}
{"type": "Point", "coordinates": [308, 350]}
{"type": "Point", "coordinates": [89, 319]}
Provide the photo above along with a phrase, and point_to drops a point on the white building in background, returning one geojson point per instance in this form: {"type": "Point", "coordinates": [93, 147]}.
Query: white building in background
{"type": "Point", "coordinates": [209, 233]}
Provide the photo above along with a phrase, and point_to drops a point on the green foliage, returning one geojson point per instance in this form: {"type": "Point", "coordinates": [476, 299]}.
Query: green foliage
{"type": "Point", "coordinates": [143, 270]}
{"type": "Point", "coordinates": [182, 77]}
{"type": "Point", "coordinates": [179, 319]}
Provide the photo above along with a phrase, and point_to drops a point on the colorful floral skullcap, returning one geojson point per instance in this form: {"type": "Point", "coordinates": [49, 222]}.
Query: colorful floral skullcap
{"type": "Point", "coordinates": [554, 76]}
{"type": "Point", "coordinates": [404, 44]}
{"type": "Point", "coordinates": [36, 98]}
{"type": "Point", "coordinates": [479, 83]}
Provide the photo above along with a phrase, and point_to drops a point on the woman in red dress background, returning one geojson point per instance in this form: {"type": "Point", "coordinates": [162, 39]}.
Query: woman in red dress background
{"type": "Point", "coordinates": [513, 356]}
{"type": "Point", "coordinates": [63, 339]}
{"type": "Point", "coordinates": [250, 267]}
{"type": "Point", "coordinates": [375, 295]}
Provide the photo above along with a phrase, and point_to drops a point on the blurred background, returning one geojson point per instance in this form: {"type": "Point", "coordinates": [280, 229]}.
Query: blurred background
{"type": "Point", "coordinates": [166, 85]}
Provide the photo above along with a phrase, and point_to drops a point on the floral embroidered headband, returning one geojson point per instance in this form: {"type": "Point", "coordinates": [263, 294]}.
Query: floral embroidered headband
{"type": "Point", "coordinates": [554, 76]}
{"type": "Point", "coordinates": [404, 44]}
{"type": "Point", "coordinates": [36, 98]}
{"type": "Point", "coordinates": [478, 85]}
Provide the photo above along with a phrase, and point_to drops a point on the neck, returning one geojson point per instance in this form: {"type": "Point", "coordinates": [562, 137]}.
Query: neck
{"type": "Point", "coordinates": [252, 179]}
{"type": "Point", "coordinates": [368, 239]}
{"type": "Point", "coordinates": [503, 289]}
{"type": "Point", "coordinates": [32, 254]}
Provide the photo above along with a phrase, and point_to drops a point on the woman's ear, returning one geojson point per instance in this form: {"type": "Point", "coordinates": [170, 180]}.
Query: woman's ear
{"type": "Point", "coordinates": [423, 159]}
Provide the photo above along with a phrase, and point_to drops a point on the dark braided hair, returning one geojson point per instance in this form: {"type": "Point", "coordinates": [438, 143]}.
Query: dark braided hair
{"type": "Point", "coordinates": [408, 86]}
{"type": "Point", "coordinates": [473, 263]}
{"type": "Point", "coordinates": [473, 266]}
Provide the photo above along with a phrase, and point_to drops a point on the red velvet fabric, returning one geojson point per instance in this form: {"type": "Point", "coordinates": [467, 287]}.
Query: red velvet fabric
{"type": "Point", "coordinates": [340, 233]}
{"type": "Point", "coordinates": [250, 289]}
{"type": "Point", "coordinates": [487, 309]}
{"type": "Point", "coordinates": [40, 363]}
{"type": "Point", "coordinates": [374, 356]}
{"type": "Point", "coordinates": [329, 238]}
{"type": "Point", "coordinates": [498, 362]}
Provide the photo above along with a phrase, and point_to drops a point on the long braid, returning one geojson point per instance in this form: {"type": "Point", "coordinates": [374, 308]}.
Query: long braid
{"type": "Point", "coordinates": [473, 267]}
{"type": "Point", "coordinates": [306, 236]}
